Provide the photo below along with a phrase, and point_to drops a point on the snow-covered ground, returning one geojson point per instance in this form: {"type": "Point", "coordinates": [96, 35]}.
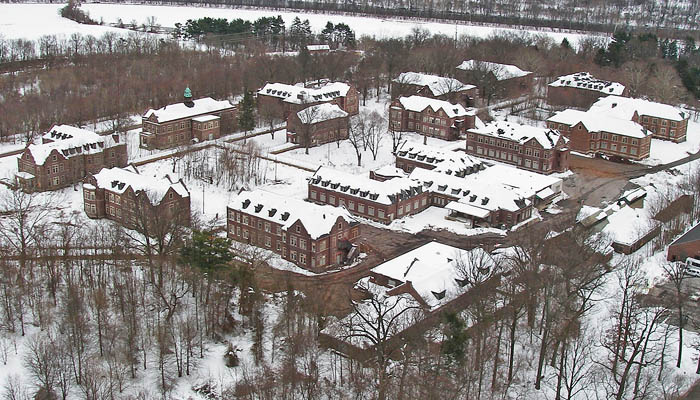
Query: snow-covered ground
{"type": "Point", "coordinates": [664, 152]}
{"type": "Point", "coordinates": [31, 21]}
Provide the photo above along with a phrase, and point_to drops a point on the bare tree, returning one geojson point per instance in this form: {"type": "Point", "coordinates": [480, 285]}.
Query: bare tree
{"type": "Point", "coordinates": [377, 320]}
{"type": "Point", "coordinates": [676, 273]}
{"type": "Point", "coordinates": [357, 133]}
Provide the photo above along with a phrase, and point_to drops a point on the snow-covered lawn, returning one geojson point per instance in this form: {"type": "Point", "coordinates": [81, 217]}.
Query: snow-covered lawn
{"type": "Point", "coordinates": [433, 218]}
{"type": "Point", "coordinates": [31, 21]}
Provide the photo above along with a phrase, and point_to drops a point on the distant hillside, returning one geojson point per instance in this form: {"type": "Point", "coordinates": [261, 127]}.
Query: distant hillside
{"type": "Point", "coordinates": [669, 17]}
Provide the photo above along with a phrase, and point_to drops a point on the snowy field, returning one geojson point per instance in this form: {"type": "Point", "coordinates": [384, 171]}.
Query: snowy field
{"type": "Point", "coordinates": [31, 21]}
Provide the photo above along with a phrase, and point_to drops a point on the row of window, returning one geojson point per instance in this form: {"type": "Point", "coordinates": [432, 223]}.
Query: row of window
{"type": "Point", "coordinates": [655, 121]}
{"type": "Point", "coordinates": [510, 145]}
{"type": "Point", "coordinates": [613, 147]}
{"type": "Point", "coordinates": [508, 156]}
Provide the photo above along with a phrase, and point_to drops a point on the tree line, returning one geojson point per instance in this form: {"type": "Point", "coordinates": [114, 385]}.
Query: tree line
{"type": "Point", "coordinates": [675, 18]}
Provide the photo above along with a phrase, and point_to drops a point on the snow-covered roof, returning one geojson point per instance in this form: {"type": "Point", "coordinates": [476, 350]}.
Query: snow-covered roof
{"type": "Point", "coordinates": [386, 192]}
{"type": "Point", "coordinates": [317, 47]}
{"type": "Point", "coordinates": [201, 106]}
{"type": "Point", "coordinates": [318, 220]}
{"type": "Point", "coordinates": [481, 193]}
{"type": "Point", "coordinates": [206, 118]}
{"type": "Point", "coordinates": [433, 270]}
{"type": "Point", "coordinates": [69, 141]}
{"type": "Point", "coordinates": [627, 224]}
{"type": "Point", "coordinates": [523, 180]}
{"type": "Point", "coordinates": [320, 112]}
{"type": "Point", "coordinates": [584, 80]}
{"type": "Point", "coordinates": [300, 94]}
{"type": "Point", "coordinates": [420, 103]}
{"type": "Point", "coordinates": [500, 71]}
{"type": "Point", "coordinates": [392, 171]}
{"type": "Point", "coordinates": [596, 122]}
{"type": "Point", "coordinates": [438, 85]}
{"type": "Point", "coordinates": [443, 160]}
{"type": "Point", "coordinates": [625, 107]}
{"type": "Point", "coordinates": [118, 180]}
{"type": "Point", "coordinates": [547, 138]}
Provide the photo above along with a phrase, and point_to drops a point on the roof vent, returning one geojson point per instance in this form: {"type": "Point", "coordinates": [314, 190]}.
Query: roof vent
{"type": "Point", "coordinates": [472, 198]}
{"type": "Point", "coordinates": [258, 208]}
{"type": "Point", "coordinates": [271, 212]}
{"type": "Point", "coordinates": [114, 183]}
{"type": "Point", "coordinates": [121, 185]}
{"type": "Point", "coordinates": [484, 201]}
{"type": "Point", "coordinates": [285, 216]}
{"type": "Point", "coordinates": [246, 203]}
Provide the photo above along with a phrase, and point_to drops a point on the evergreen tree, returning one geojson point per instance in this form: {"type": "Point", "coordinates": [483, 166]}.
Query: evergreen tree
{"type": "Point", "coordinates": [207, 252]}
{"type": "Point", "coordinates": [246, 112]}
{"type": "Point", "coordinates": [565, 44]}
{"type": "Point", "coordinates": [454, 345]}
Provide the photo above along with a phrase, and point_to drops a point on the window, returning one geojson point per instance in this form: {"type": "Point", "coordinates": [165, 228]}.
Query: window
{"type": "Point", "coordinates": [633, 150]}
{"type": "Point", "coordinates": [613, 138]}
{"type": "Point", "coordinates": [268, 241]}
{"type": "Point", "coordinates": [624, 139]}
{"type": "Point", "coordinates": [293, 240]}
{"type": "Point", "coordinates": [322, 197]}
{"type": "Point", "coordinates": [351, 205]}
{"type": "Point", "coordinates": [370, 210]}
{"type": "Point", "coordinates": [623, 149]}
{"type": "Point", "coordinates": [294, 255]}
{"type": "Point", "coordinates": [361, 208]}
{"type": "Point", "coordinates": [267, 227]}
{"type": "Point", "coordinates": [260, 225]}
{"type": "Point", "coordinates": [331, 199]}
{"type": "Point", "coordinates": [380, 213]}
{"type": "Point", "coordinates": [302, 244]}
{"type": "Point", "coordinates": [53, 158]}
{"type": "Point", "coordinates": [313, 194]}
{"type": "Point", "coordinates": [298, 229]}
{"type": "Point", "coordinates": [302, 258]}
{"type": "Point", "coordinates": [245, 220]}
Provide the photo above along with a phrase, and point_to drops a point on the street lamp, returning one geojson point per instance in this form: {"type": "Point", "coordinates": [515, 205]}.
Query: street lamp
{"type": "Point", "coordinates": [205, 179]}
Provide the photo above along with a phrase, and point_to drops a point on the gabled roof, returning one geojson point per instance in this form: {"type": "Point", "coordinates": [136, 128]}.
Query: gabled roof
{"type": "Point", "coordinates": [118, 180]}
{"type": "Point", "coordinates": [201, 106]}
{"type": "Point", "coordinates": [419, 104]}
{"type": "Point", "coordinates": [595, 122]}
{"type": "Point", "coordinates": [500, 71]}
{"type": "Point", "coordinates": [69, 141]}
{"type": "Point", "coordinates": [584, 80]}
{"type": "Point", "coordinates": [438, 85]}
{"type": "Point", "coordinates": [625, 107]}
{"type": "Point", "coordinates": [320, 112]}
{"type": "Point", "coordinates": [547, 138]}
{"type": "Point", "coordinates": [432, 270]}
{"type": "Point", "coordinates": [386, 192]}
{"type": "Point", "coordinates": [299, 94]}
{"type": "Point", "coordinates": [317, 220]}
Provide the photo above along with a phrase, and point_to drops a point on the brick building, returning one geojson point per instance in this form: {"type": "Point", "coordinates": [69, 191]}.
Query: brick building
{"type": "Point", "coordinates": [431, 117]}
{"type": "Point", "coordinates": [688, 245]}
{"type": "Point", "coordinates": [503, 80]}
{"type": "Point", "coordinates": [193, 120]}
{"type": "Point", "coordinates": [365, 197]}
{"type": "Point", "coordinates": [594, 133]}
{"type": "Point", "coordinates": [313, 237]}
{"type": "Point", "coordinates": [134, 200]}
{"type": "Point", "coordinates": [474, 202]}
{"type": "Point", "coordinates": [662, 120]}
{"type": "Point", "coordinates": [316, 125]}
{"type": "Point", "coordinates": [542, 150]}
{"type": "Point", "coordinates": [280, 99]}
{"type": "Point", "coordinates": [411, 155]}
{"type": "Point", "coordinates": [581, 90]}
{"type": "Point", "coordinates": [315, 49]}
{"type": "Point", "coordinates": [65, 156]}
{"type": "Point", "coordinates": [434, 87]}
